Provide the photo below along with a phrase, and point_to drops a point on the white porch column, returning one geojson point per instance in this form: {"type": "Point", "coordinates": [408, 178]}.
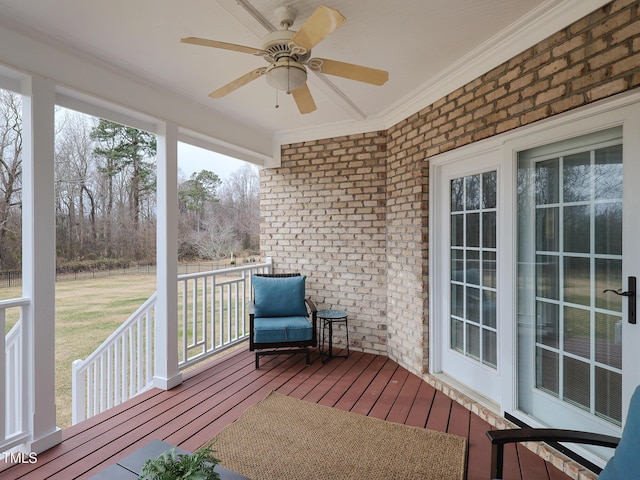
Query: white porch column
{"type": "Point", "coordinates": [167, 374]}
{"type": "Point", "coordinates": [39, 257]}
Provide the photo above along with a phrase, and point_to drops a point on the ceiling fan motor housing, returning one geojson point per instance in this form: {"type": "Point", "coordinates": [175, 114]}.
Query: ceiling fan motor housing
{"type": "Point", "coordinates": [279, 45]}
{"type": "Point", "coordinates": [286, 71]}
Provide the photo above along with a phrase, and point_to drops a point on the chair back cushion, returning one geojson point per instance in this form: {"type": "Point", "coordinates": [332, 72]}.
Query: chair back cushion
{"type": "Point", "coordinates": [279, 296]}
{"type": "Point", "coordinates": [625, 462]}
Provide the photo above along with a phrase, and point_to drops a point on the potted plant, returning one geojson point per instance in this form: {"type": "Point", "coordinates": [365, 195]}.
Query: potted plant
{"type": "Point", "coordinates": [172, 465]}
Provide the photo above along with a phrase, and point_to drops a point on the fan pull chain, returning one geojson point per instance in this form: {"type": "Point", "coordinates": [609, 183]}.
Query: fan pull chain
{"type": "Point", "coordinates": [277, 103]}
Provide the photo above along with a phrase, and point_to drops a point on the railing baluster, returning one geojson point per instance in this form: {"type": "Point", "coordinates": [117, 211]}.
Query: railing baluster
{"type": "Point", "coordinates": [183, 321]}
{"type": "Point", "coordinates": [101, 383]}
{"type": "Point", "coordinates": [194, 313]}
{"type": "Point", "coordinates": [116, 373]}
{"type": "Point", "coordinates": [139, 357]}
{"type": "Point", "coordinates": [230, 308]}
{"type": "Point", "coordinates": [205, 343]}
{"type": "Point", "coordinates": [148, 337]}
{"type": "Point", "coordinates": [123, 367]}
{"type": "Point", "coordinates": [221, 316]}
{"type": "Point", "coordinates": [109, 379]}
{"type": "Point", "coordinates": [214, 320]}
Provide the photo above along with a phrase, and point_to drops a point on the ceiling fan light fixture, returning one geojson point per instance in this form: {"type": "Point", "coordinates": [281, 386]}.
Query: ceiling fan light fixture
{"type": "Point", "coordinates": [286, 75]}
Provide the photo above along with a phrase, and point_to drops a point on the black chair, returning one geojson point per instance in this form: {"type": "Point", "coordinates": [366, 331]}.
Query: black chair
{"type": "Point", "coordinates": [281, 319]}
{"type": "Point", "coordinates": [625, 463]}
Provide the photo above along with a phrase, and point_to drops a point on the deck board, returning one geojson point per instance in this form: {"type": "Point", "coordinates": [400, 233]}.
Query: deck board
{"type": "Point", "coordinates": [214, 395]}
{"type": "Point", "coordinates": [479, 449]}
{"type": "Point", "coordinates": [533, 466]}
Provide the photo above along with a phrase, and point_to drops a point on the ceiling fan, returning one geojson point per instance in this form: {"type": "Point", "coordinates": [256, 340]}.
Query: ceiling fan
{"type": "Point", "coordinates": [288, 53]}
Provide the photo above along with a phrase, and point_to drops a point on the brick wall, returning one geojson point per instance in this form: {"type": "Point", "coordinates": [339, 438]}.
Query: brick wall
{"type": "Point", "coordinates": [407, 245]}
{"type": "Point", "coordinates": [352, 212]}
{"type": "Point", "coordinates": [323, 213]}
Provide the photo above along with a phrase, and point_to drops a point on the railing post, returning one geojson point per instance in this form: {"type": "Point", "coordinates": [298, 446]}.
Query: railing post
{"type": "Point", "coordinates": [78, 392]}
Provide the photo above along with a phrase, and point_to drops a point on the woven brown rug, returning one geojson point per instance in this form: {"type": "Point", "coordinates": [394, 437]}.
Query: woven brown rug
{"type": "Point", "coordinates": [282, 438]}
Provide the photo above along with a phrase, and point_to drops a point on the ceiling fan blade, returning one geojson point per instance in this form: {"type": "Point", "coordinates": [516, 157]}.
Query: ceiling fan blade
{"type": "Point", "coordinates": [320, 24]}
{"type": "Point", "coordinates": [303, 99]}
{"type": "Point", "coordinates": [349, 70]}
{"type": "Point", "coordinates": [224, 45]}
{"type": "Point", "coordinates": [238, 82]}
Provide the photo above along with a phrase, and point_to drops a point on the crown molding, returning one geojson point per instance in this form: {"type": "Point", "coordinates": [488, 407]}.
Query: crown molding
{"type": "Point", "coordinates": [542, 22]}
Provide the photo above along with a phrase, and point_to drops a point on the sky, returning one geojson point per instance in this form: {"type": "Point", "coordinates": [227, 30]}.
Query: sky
{"type": "Point", "coordinates": [194, 159]}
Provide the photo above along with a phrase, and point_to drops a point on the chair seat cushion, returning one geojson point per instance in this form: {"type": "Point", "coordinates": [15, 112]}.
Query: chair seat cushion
{"type": "Point", "coordinates": [625, 462]}
{"type": "Point", "coordinates": [279, 296]}
{"type": "Point", "coordinates": [282, 329]}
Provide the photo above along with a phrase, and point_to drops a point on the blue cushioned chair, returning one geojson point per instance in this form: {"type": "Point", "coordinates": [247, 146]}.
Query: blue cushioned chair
{"type": "Point", "coordinates": [625, 463]}
{"type": "Point", "coordinates": [279, 316]}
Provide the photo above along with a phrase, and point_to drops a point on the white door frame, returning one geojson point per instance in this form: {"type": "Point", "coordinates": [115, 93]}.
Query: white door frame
{"type": "Point", "coordinates": [622, 110]}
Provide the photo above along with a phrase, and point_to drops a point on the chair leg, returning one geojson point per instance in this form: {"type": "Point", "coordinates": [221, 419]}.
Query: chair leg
{"type": "Point", "coordinates": [257, 361]}
{"type": "Point", "coordinates": [308, 353]}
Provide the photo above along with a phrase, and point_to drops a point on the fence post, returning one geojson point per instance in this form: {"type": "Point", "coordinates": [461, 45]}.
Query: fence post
{"type": "Point", "coordinates": [78, 392]}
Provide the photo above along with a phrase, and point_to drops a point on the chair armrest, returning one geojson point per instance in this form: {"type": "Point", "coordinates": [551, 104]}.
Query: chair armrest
{"type": "Point", "coordinates": [551, 435]}
{"type": "Point", "coordinates": [501, 437]}
{"type": "Point", "coordinates": [314, 320]}
{"type": "Point", "coordinates": [311, 305]}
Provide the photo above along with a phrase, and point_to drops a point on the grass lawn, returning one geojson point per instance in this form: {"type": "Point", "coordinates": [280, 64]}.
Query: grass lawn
{"type": "Point", "coordinates": [87, 312]}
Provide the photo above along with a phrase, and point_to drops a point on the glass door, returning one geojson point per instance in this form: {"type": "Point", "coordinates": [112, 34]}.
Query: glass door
{"type": "Point", "coordinates": [468, 275]}
{"type": "Point", "coordinates": [569, 251]}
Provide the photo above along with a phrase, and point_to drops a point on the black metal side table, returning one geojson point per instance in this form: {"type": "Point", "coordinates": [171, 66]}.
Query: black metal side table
{"type": "Point", "coordinates": [327, 319]}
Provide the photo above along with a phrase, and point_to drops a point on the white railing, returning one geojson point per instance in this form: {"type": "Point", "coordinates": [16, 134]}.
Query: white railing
{"type": "Point", "coordinates": [213, 311]}
{"type": "Point", "coordinates": [212, 316]}
{"type": "Point", "coordinates": [118, 369]}
{"type": "Point", "coordinates": [14, 362]}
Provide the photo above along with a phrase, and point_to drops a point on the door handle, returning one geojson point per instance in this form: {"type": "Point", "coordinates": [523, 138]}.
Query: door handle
{"type": "Point", "coordinates": [631, 294]}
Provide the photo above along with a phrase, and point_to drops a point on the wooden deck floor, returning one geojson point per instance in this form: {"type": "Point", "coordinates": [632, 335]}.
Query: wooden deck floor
{"type": "Point", "coordinates": [216, 394]}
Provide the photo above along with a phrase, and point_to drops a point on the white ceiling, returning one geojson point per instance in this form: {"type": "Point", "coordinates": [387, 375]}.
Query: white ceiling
{"type": "Point", "coordinates": [423, 44]}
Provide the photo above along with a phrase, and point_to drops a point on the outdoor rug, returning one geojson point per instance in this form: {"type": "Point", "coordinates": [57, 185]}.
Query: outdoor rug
{"type": "Point", "coordinates": [282, 438]}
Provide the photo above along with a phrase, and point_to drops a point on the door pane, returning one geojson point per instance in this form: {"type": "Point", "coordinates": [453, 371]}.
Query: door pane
{"type": "Point", "coordinates": [576, 177]}
{"type": "Point", "coordinates": [577, 280]}
{"type": "Point", "coordinates": [547, 323]}
{"type": "Point", "coordinates": [569, 251]}
{"type": "Point", "coordinates": [577, 227]}
{"type": "Point", "coordinates": [608, 228]}
{"type": "Point", "coordinates": [608, 402]}
{"type": "Point", "coordinates": [547, 375]}
{"type": "Point", "coordinates": [547, 224]}
{"type": "Point", "coordinates": [547, 182]}
{"type": "Point", "coordinates": [473, 267]}
{"type": "Point", "coordinates": [577, 331]}
{"type": "Point", "coordinates": [577, 382]}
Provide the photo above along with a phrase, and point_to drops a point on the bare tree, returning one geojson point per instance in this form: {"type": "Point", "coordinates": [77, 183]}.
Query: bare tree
{"type": "Point", "coordinates": [216, 239]}
{"type": "Point", "coordinates": [10, 178]}
{"type": "Point", "coordinates": [240, 201]}
{"type": "Point", "coordinates": [76, 175]}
